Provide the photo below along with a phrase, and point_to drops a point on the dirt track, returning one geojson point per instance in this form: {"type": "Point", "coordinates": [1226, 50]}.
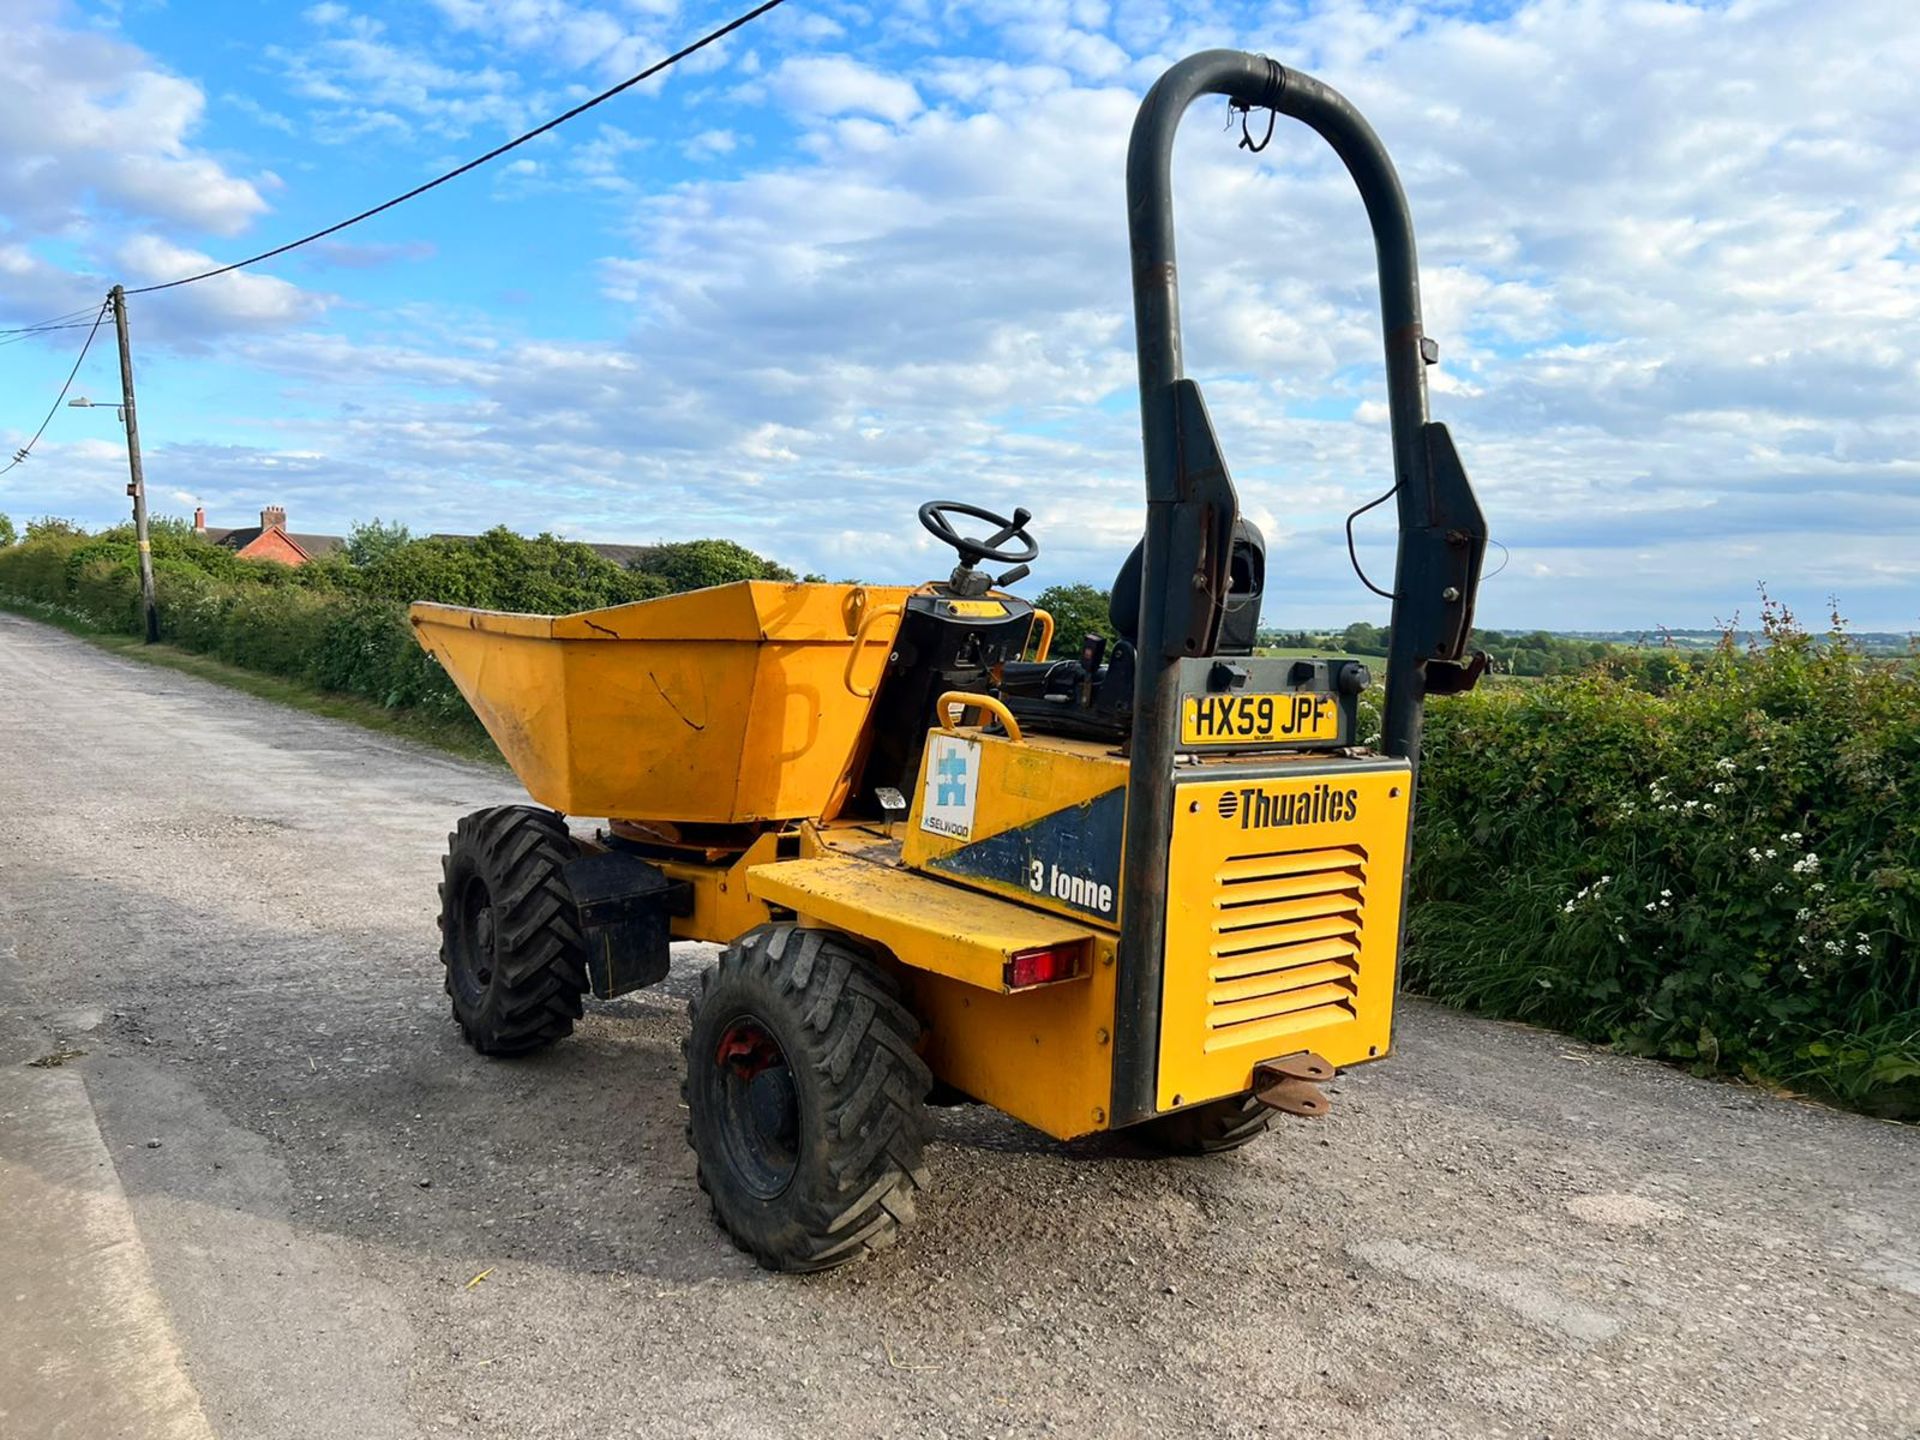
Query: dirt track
{"type": "Point", "coordinates": [229, 908]}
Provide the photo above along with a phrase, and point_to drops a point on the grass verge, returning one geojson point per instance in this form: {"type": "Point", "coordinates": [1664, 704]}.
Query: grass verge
{"type": "Point", "coordinates": [453, 739]}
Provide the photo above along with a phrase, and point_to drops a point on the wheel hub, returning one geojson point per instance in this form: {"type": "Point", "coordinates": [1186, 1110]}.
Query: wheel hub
{"type": "Point", "coordinates": [759, 1107]}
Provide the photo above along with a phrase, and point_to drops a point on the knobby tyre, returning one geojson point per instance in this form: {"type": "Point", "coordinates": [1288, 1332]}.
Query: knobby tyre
{"type": "Point", "coordinates": [805, 1098]}
{"type": "Point", "coordinates": [509, 932]}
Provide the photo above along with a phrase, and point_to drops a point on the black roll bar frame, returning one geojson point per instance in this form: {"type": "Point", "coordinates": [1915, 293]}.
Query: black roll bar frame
{"type": "Point", "coordinates": [1442, 536]}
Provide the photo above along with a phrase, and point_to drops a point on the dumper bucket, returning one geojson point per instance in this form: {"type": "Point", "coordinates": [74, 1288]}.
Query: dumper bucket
{"type": "Point", "coordinates": [732, 704]}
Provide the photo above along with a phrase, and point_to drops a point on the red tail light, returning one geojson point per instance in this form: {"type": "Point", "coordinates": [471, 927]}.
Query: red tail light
{"type": "Point", "coordinates": [1027, 968]}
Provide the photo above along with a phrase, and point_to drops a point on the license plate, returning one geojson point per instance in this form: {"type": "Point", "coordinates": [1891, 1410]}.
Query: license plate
{"type": "Point", "coordinates": [1258, 719]}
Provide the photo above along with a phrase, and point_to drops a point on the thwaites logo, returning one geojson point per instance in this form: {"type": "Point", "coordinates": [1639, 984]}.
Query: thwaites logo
{"type": "Point", "coordinates": [1258, 809]}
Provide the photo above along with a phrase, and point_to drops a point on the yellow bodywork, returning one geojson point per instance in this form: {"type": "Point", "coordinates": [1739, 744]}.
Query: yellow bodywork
{"type": "Point", "coordinates": [948, 931]}
{"type": "Point", "coordinates": [1021, 781]}
{"type": "Point", "coordinates": [720, 706]}
{"type": "Point", "coordinates": [1283, 922]}
{"type": "Point", "coordinates": [1043, 1055]}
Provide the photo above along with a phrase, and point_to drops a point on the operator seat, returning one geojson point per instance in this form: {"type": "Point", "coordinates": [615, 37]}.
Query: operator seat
{"type": "Point", "coordinates": [1247, 577]}
{"type": "Point", "coordinates": [1091, 694]}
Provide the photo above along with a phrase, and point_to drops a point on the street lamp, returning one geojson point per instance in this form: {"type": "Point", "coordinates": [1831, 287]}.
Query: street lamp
{"type": "Point", "coordinates": [81, 402]}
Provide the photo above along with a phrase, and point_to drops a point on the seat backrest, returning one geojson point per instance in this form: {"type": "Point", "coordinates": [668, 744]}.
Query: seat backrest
{"type": "Point", "coordinates": [1239, 626]}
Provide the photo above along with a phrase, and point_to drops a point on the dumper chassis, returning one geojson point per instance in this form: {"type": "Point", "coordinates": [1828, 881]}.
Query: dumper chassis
{"type": "Point", "coordinates": [1155, 884]}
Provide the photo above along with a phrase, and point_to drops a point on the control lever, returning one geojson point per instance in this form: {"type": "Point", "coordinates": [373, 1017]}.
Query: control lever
{"type": "Point", "coordinates": [1013, 576]}
{"type": "Point", "coordinates": [1093, 650]}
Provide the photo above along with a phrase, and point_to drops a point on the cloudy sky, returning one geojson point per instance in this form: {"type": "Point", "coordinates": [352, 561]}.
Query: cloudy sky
{"type": "Point", "coordinates": [862, 255]}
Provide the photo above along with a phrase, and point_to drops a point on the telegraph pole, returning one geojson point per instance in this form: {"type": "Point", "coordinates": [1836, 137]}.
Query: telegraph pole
{"type": "Point", "coordinates": [137, 486]}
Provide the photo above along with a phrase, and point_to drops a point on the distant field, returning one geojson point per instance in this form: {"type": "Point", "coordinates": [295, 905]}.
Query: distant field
{"type": "Point", "coordinates": [1282, 653]}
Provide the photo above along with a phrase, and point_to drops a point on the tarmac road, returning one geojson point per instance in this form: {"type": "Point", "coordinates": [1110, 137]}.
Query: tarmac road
{"type": "Point", "coordinates": [260, 1203]}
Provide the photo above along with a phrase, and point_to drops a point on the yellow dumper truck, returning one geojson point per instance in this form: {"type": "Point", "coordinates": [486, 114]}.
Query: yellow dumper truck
{"type": "Point", "coordinates": [1153, 884]}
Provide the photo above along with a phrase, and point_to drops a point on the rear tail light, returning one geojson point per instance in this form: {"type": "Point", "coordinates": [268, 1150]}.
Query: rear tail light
{"type": "Point", "coordinates": [1046, 966]}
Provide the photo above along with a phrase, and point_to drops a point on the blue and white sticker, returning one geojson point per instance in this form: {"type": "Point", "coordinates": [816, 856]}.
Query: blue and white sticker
{"type": "Point", "coordinates": [952, 778]}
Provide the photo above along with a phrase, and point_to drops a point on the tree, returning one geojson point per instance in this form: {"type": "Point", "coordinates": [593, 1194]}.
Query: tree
{"type": "Point", "coordinates": [696, 564]}
{"type": "Point", "coordinates": [49, 527]}
{"type": "Point", "coordinates": [371, 540]}
{"type": "Point", "coordinates": [7, 534]}
{"type": "Point", "coordinates": [1360, 638]}
{"type": "Point", "coordinates": [1078, 611]}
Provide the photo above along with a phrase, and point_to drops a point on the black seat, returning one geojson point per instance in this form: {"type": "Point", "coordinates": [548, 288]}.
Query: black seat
{"type": "Point", "coordinates": [1247, 577]}
{"type": "Point", "coordinates": [1092, 695]}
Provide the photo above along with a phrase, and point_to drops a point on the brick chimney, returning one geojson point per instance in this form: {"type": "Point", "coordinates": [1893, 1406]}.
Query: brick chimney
{"type": "Point", "coordinates": [199, 519]}
{"type": "Point", "coordinates": [273, 515]}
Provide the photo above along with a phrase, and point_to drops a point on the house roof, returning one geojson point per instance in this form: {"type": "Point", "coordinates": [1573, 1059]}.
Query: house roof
{"type": "Point", "coordinates": [314, 546]}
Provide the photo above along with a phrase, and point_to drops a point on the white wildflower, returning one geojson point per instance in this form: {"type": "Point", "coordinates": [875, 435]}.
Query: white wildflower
{"type": "Point", "coordinates": [1834, 947]}
{"type": "Point", "coordinates": [1863, 949]}
{"type": "Point", "coordinates": [1726, 765]}
{"type": "Point", "coordinates": [1807, 864]}
{"type": "Point", "coordinates": [1666, 894]}
{"type": "Point", "coordinates": [1803, 914]}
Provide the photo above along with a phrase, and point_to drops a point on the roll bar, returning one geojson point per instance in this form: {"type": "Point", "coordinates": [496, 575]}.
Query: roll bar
{"type": "Point", "coordinates": [1191, 505]}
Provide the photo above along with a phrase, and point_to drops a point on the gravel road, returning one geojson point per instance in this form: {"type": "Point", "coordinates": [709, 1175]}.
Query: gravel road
{"type": "Point", "coordinates": [228, 907]}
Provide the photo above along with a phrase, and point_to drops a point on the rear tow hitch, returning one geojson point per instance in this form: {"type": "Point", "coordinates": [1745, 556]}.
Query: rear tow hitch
{"type": "Point", "coordinates": [1292, 1084]}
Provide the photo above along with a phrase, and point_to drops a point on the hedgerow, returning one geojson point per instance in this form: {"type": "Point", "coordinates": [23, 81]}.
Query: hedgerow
{"type": "Point", "coordinates": [1727, 875]}
{"type": "Point", "coordinates": [334, 624]}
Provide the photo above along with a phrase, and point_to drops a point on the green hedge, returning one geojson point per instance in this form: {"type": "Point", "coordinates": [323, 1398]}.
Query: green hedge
{"type": "Point", "coordinates": [1727, 875]}
{"type": "Point", "coordinates": [335, 640]}
{"type": "Point", "coordinates": [334, 624]}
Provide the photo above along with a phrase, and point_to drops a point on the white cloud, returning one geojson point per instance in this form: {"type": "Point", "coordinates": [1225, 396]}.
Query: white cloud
{"type": "Point", "coordinates": [243, 299]}
{"type": "Point", "coordinates": [837, 85]}
{"type": "Point", "coordinates": [89, 121]}
{"type": "Point", "coordinates": [1671, 253]}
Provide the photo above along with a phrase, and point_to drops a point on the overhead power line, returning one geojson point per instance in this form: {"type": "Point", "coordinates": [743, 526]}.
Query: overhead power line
{"type": "Point", "coordinates": [605, 95]}
{"type": "Point", "coordinates": [27, 449]}
{"type": "Point", "coordinates": [56, 323]}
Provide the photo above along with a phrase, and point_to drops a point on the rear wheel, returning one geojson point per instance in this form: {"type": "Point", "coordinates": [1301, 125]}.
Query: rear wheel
{"type": "Point", "coordinates": [1208, 1129]}
{"type": "Point", "coordinates": [804, 1099]}
{"type": "Point", "coordinates": [509, 932]}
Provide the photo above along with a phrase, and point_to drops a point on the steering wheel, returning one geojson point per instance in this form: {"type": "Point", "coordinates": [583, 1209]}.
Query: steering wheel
{"type": "Point", "coordinates": [934, 515]}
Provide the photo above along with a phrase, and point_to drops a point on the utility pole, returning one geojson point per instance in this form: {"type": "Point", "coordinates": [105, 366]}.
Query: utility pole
{"type": "Point", "coordinates": [137, 486]}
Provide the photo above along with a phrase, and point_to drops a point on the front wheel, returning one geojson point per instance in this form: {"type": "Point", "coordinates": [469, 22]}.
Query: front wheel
{"type": "Point", "coordinates": [509, 931]}
{"type": "Point", "coordinates": [805, 1099]}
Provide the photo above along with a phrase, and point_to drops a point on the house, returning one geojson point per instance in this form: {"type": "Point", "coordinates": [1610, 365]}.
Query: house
{"type": "Point", "coordinates": [270, 539]}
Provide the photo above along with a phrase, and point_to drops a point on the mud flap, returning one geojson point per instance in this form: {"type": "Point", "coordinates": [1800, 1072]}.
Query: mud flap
{"type": "Point", "coordinates": [625, 906]}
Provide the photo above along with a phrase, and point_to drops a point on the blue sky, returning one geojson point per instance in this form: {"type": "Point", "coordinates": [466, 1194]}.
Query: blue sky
{"type": "Point", "coordinates": [864, 255]}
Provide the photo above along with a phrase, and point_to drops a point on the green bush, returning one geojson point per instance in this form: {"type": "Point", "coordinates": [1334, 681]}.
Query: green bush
{"type": "Point", "coordinates": [696, 564]}
{"type": "Point", "coordinates": [1727, 875]}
